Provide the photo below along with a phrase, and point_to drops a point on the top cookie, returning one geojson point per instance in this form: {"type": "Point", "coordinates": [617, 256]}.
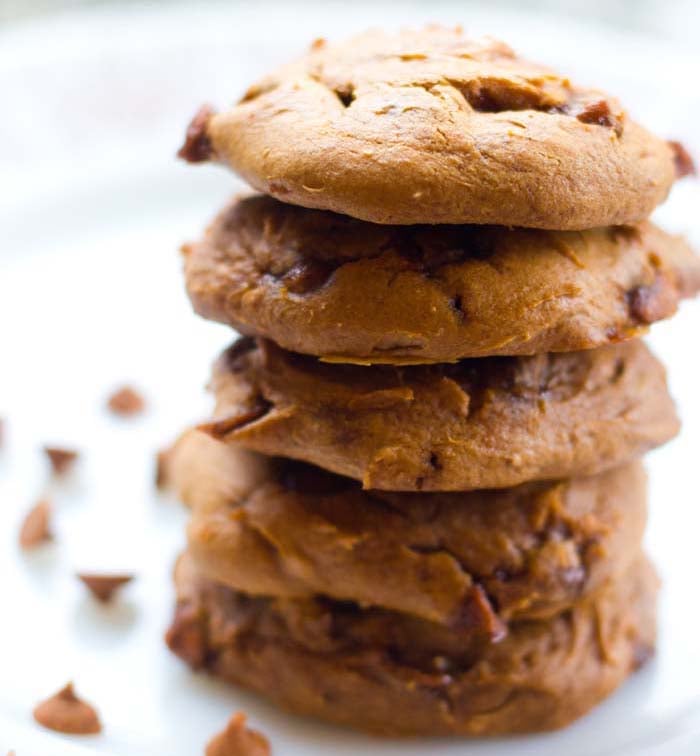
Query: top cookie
{"type": "Point", "coordinates": [432, 127]}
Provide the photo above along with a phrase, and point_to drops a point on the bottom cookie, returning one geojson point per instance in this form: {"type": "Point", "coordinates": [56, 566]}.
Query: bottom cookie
{"type": "Point", "coordinates": [388, 673]}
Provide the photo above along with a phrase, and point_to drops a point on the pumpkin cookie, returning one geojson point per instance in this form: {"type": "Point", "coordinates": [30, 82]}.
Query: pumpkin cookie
{"type": "Point", "coordinates": [279, 527]}
{"type": "Point", "coordinates": [433, 127]}
{"type": "Point", "coordinates": [388, 673]}
{"type": "Point", "coordinates": [325, 284]}
{"type": "Point", "coordinates": [488, 423]}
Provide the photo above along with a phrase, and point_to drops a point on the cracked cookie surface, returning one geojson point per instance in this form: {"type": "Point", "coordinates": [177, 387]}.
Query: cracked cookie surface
{"type": "Point", "coordinates": [389, 673]}
{"type": "Point", "coordinates": [320, 283]}
{"type": "Point", "coordinates": [276, 527]}
{"type": "Point", "coordinates": [487, 423]}
{"type": "Point", "coordinates": [433, 127]}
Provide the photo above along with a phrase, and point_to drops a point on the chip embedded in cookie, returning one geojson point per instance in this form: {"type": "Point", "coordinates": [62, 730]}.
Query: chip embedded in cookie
{"type": "Point", "coordinates": [434, 127]}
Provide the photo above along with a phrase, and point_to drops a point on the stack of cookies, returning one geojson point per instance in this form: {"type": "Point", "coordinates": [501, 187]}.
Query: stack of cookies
{"type": "Point", "coordinates": [419, 505]}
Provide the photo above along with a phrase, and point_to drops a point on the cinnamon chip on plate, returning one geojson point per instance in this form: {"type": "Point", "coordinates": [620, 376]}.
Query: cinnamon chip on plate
{"type": "Point", "coordinates": [103, 586]}
{"type": "Point", "coordinates": [36, 526]}
{"type": "Point", "coordinates": [65, 712]}
{"type": "Point", "coordinates": [61, 459]}
{"type": "Point", "coordinates": [126, 401]}
{"type": "Point", "coordinates": [238, 740]}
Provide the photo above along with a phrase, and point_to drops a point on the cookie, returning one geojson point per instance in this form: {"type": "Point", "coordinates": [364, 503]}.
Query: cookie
{"type": "Point", "coordinates": [325, 284]}
{"type": "Point", "coordinates": [387, 673]}
{"type": "Point", "coordinates": [433, 127]}
{"type": "Point", "coordinates": [278, 527]}
{"type": "Point", "coordinates": [488, 423]}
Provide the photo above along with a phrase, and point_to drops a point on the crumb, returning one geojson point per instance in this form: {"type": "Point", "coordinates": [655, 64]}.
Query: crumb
{"type": "Point", "coordinates": [103, 587]}
{"type": "Point", "coordinates": [126, 401]}
{"type": "Point", "coordinates": [62, 460]}
{"type": "Point", "coordinates": [36, 526]}
{"type": "Point", "coordinates": [65, 712]}
{"type": "Point", "coordinates": [162, 461]}
{"type": "Point", "coordinates": [238, 740]}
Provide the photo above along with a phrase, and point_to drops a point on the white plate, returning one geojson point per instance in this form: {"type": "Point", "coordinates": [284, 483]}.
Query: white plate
{"type": "Point", "coordinates": [92, 210]}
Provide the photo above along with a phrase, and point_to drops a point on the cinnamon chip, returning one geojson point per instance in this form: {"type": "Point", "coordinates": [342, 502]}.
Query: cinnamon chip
{"type": "Point", "coordinates": [197, 147]}
{"type": "Point", "coordinates": [126, 401]}
{"type": "Point", "coordinates": [103, 587]}
{"type": "Point", "coordinates": [600, 114]}
{"type": "Point", "coordinates": [65, 712]}
{"type": "Point", "coordinates": [647, 304]}
{"type": "Point", "coordinates": [477, 613]}
{"type": "Point", "coordinates": [238, 740]}
{"type": "Point", "coordinates": [36, 527]}
{"type": "Point", "coordinates": [62, 460]}
{"type": "Point", "coordinates": [308, 276]}
{"type": "Point", "coordinates": [684, 162]}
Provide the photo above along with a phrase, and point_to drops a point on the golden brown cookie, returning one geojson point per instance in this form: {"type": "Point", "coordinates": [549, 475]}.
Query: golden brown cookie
{"type": "Point", "coordinates": [320, 283]}
{"type": "Point", "coordinates": [433, 127]}
{"type": "Point", "coordinates": [384, 672]}
{"type": "Point", "coordinates": [278, 527]}
{"type": "Point", "coordinates": [487, 423]}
